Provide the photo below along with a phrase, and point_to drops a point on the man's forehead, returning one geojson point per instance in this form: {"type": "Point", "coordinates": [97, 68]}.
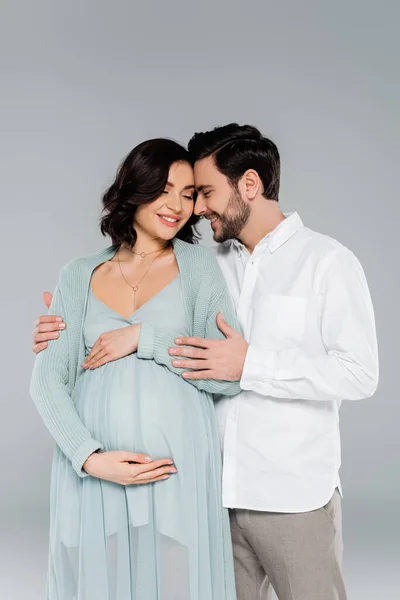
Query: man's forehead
{"type": "Point", "coordinates": [206, 173]}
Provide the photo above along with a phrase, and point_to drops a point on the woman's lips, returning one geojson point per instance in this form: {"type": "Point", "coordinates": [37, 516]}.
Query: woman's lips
{"type": "Point", "coordinates": [168, 223]}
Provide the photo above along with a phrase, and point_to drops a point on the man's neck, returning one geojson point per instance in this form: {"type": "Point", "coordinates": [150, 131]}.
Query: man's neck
{"type": "Point", "coordinates": [263, 219]}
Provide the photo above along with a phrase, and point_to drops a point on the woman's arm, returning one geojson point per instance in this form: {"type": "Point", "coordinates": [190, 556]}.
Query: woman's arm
{"type": "Point", "coordinates": [52, 399]}
{"type": "Point", "coordinates": [50, 393]}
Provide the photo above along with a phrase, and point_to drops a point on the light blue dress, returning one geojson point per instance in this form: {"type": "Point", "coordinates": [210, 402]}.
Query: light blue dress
{"type": "Point", "coordinates": [164, 541]}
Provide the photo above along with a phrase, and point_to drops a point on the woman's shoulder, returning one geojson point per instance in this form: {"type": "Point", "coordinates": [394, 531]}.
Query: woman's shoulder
{"type": "Point", "coordinates": [200, 255]}
{"type": "Point", "coordinates": [83, 266]}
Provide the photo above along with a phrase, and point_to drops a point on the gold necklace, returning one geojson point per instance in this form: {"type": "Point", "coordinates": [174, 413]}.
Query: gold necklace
{"type": "Point", "coordinates": [136, 286]}
{"type": "Point", "coordinates": [141, 254]}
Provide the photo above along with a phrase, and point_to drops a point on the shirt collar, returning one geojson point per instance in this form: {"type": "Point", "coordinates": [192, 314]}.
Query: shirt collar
{"type": "Point", "coordinates": [281, 234]}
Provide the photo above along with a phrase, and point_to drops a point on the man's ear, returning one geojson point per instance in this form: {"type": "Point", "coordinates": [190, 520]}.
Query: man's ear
{"type": "Point", "coordinates": [251, 184]}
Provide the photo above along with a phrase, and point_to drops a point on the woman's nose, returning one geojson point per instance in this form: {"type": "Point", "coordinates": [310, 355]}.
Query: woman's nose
{"type": "Point", "coordinates": [174, 203]}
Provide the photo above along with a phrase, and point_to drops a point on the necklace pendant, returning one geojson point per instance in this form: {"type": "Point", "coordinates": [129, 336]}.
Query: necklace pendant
{"type": "Point", "coordinates": [143, 255]}
{"type": "Point", "coordinates": [135, 288]}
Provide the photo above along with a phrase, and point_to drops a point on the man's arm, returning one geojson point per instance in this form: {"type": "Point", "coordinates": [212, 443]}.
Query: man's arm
{"type": "Point", "coordinates": [349, 368]}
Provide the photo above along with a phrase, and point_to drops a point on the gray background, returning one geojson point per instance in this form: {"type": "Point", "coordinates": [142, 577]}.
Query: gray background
{"type": "Point", "coordinates": [83, 82]}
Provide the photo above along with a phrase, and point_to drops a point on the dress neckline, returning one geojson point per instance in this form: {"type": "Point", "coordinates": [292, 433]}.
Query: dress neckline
{"type": "Point", "coordinates": [140, 307]}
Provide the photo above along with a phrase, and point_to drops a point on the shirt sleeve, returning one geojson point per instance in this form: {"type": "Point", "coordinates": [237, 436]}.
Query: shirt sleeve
{"type": "Point", "coordinates": [52, 399]}
{"type": "Point", "coordinates": [348, 369]}
{"type": "Point", "coordinates": [154, 343]}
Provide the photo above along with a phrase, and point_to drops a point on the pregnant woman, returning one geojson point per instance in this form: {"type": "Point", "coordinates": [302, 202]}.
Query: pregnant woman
{"type": "Point", "coordinates": [136, 511]}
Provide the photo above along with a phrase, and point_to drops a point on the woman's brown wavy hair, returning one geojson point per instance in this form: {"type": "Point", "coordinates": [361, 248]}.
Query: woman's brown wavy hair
{"type": "Point", "coordinates": [141, 179]}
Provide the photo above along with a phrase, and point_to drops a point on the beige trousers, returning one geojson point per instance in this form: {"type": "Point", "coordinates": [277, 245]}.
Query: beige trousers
{"type": "Point", "coordinates": [298, 554]}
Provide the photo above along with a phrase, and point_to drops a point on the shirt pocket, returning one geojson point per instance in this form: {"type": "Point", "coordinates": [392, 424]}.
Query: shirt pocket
{"type": "Point", "coordinates": [279, 321]}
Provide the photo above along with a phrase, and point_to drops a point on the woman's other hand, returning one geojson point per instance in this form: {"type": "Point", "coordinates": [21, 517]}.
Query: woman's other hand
{"type": "Point", "coordinates": [116, 466]}
{"type": "Point", "coordinates": [113, 345]}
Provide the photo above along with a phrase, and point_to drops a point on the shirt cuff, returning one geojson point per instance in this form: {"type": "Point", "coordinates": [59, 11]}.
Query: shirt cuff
{"type": "Point", "coordinates": [83, 452]}
{"type": "Point", "coordinates": [145, 347]}
{"type": "Point", "coordinates": [259, 368]}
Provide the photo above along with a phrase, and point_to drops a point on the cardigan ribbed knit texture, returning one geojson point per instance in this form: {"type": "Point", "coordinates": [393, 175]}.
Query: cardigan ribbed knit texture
{"type": "Point", "coordinates": [56, 369]}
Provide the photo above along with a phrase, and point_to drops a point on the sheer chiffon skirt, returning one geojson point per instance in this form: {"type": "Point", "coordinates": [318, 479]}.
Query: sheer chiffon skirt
{"type": "Point", "coordinates": [164, 541]}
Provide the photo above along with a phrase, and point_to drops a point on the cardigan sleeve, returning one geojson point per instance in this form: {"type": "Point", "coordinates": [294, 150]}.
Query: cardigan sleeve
{"type": "Point", "coordinates": [49, 392]}
{"type": "Point", "coordinates": [154, 342]}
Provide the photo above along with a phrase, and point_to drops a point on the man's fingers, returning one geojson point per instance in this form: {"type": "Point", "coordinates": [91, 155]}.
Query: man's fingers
{"type": "Point", "coordinates": [190, 364]}
{"type": "Point", "coordinates": [45, 337]}
{"type": "Point", "coordinates": [223, 326]}
{"type": "Point", "coordinates": [47, 298]}
{"type": "Point", "coordinates": [188, 352]}
{"type": "Point", "coordinates": [39, 347]}
{"type": "Point", "coordinates": [53, 319]}
{"type": "Point", "coordinates": [198, 342]}
{"type": "Point", "coordinates": [200, 375]}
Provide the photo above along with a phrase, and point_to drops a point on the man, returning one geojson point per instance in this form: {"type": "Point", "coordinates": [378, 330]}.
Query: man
{"type": "Point", "coordinates": [309, 342]}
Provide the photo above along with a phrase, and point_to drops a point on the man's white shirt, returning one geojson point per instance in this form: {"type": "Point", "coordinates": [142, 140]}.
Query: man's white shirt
{"type": "Point", "coordinates": [305, 309]}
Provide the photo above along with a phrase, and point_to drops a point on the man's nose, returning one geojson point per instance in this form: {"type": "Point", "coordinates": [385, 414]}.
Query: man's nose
{"type": "Point", "coordinates": [199, 206]}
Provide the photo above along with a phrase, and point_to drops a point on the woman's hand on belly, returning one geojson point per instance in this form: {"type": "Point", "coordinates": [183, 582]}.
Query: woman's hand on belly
{"type": "Point", "coordinates": [113, 345]}
{"type": "Point", "coordinates": [116, 466]}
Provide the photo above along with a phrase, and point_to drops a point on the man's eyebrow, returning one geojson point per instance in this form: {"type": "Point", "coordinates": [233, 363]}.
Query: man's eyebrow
{"type": "Point", "coordinates": [201, 188]}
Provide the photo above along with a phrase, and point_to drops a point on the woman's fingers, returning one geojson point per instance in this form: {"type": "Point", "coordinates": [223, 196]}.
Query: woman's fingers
{"type": "Point", "coordinates": [154, 480]}
{"type": "Point", "coordinates": [97, 352]}
{"type": "Point", "coordinates": [155, 464]}
{"type": "Point", "coordinates": [137, 457]}
{"type": "Point", "coordinates": [95, 349]}
{"type": "Point", "coordinates": [101, 361]}
{"type": "Point", "coordinates": [170, 470]}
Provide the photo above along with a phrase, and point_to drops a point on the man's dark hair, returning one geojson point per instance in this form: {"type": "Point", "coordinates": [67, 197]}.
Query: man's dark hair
{"type": "Point", "coordinates": [237, 148]}
{"type": "Point", "coordinates": [141, 178]}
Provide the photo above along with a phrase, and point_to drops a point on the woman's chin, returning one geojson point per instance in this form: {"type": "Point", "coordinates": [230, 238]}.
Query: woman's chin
{"type": "Point", "coordinates": [165, 232]}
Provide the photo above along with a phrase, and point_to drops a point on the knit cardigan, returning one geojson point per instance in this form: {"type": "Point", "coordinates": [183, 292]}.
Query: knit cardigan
{"type": "Point", "coordinates": [57, 368]}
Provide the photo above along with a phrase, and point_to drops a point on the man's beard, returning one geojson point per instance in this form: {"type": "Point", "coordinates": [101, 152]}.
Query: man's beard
{"type": "Point", "coordinates": [234, 218]}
